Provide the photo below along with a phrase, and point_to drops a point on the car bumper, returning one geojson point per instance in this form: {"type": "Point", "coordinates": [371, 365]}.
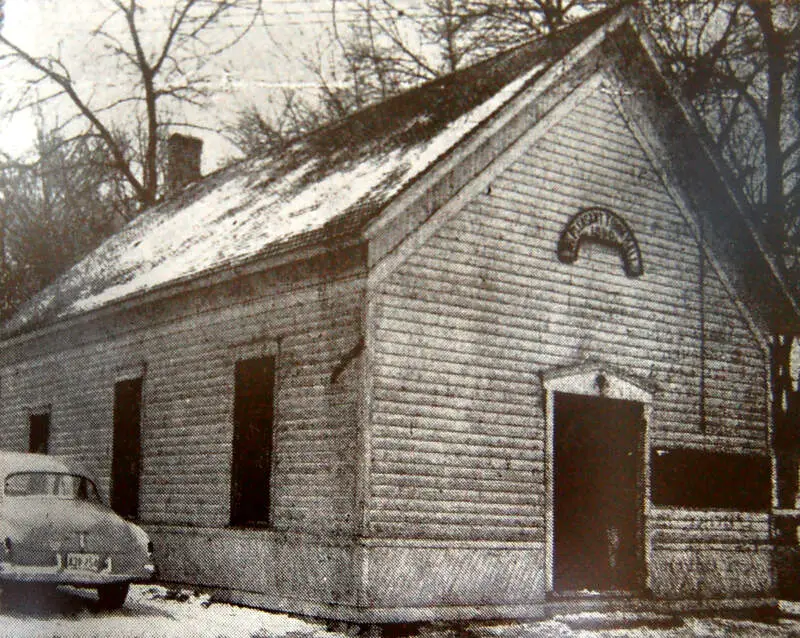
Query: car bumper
{"type": "Point", "coordinates": [60, 576]}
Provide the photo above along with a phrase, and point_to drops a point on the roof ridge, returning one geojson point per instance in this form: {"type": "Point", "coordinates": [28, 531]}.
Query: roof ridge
{"type": "Point", "coordinates": [331, 179]}
{"type": "Point", "coordinates": [591, 22]}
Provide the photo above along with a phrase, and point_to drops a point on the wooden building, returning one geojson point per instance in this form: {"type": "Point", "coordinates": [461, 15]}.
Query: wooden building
{"type": "Point", "coordinates": [499, 341]}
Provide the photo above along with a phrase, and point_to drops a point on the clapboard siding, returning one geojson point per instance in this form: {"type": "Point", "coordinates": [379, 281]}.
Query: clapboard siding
{"type": "Point", "coordinates": [308, 315]}
{"type": "Point", "coordinates": [680, 527]}
{"type": "Point", "coordinates": [464, 326]}
{"type": "Point", "coordinates": [735, 384]}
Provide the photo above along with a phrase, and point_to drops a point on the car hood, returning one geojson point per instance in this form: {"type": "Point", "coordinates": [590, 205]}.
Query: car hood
{"type": "Point", "coordinates": [64, 525]}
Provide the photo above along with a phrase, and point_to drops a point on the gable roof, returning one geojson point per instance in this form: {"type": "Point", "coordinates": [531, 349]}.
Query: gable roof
{"type": "Point", "coordinates": [324, 186]}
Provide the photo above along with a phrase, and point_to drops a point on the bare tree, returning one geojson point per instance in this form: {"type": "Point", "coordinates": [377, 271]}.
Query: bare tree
{"type": "Point", "coordinates": [397, 47]}
{"type": "Point", "coordinates": [385, 46]}
{"type": "Point", "coordinates": [256, 132]}
{"type": "Point", "coordinates": [737, 61]}
{"type": "Point", "coordinates": [164, 70]}
{"type": "Point", "coordinates": [54, 208]}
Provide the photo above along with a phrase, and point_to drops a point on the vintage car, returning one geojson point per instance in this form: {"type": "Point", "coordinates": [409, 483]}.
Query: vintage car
{"type": "Point", "coordinates": [55, 529]}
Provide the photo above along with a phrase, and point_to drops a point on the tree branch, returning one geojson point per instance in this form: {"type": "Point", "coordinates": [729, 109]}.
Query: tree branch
{"type": "Point", "coordinates": [66, 84]}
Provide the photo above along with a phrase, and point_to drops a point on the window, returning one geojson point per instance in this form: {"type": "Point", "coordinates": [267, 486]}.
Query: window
{"type": "Point", "coordinates": [39, 436]}
{"type": "Point", "coordinates": [710, 480]}
{"type": "Point", "coordinates": [127, 448]}
{"type": "Point", "coordinates": [65, 486]}
{"type": "Point", "coordinates": [252, 440]}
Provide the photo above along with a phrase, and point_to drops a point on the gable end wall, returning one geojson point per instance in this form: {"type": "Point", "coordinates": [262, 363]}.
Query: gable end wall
{"type": "Point", "coordinates": [466, 324]}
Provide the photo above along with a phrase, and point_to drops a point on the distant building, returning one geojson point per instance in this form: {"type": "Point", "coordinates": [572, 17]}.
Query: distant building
{"type": "Point", "coordinates": [498, 342]}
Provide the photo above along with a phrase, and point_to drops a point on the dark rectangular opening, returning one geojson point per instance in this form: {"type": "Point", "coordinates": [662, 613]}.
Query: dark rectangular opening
{"type": "Point", "coordinates": [710, 480]}
{"type": "Point", "coordinates": [598, 499]}
{"type": "Point", "coordinates": [127, 448]}
{"type": "Point", "coordinates": [39, 436]}
{"type": "Point", "coordinates": [252, 441]}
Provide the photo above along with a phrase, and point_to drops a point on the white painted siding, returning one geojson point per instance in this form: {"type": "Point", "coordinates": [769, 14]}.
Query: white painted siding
{"type": "Point", "coordinates": [466, 324]}
{"type": "Point", "coordinates": [188, 347]}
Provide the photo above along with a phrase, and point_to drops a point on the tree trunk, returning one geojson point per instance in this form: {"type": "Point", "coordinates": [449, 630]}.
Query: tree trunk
{"type": "Point", "coordinates": [775, 48]}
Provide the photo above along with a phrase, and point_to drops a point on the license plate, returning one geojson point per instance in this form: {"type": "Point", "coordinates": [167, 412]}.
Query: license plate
{"type": "Point", "coordinates": [83, 562]}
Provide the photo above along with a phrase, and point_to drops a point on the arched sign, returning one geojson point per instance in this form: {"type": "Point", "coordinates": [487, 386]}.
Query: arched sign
{"type": "Point", "coordinates": [603, 226]}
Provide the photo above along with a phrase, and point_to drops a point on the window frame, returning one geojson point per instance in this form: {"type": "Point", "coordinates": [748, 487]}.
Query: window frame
{"type": "Point", "coordinates": [237, 512]}
{"type": "Point", "coordinates": [715, 479]}
{"type": "Point", "coordinates": [119, 381]}
{"type": "Point", "coordinates": [36, 417]}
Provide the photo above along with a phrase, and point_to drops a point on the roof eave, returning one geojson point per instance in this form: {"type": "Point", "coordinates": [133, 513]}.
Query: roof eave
{"type": "Point", "coordinates": [306, 246]}
{"type": "Point", "coordinates": [486, 129]}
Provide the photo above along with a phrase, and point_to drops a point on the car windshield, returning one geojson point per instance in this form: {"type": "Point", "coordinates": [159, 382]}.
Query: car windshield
{"type": "Point", "coordinates": [68, 486]}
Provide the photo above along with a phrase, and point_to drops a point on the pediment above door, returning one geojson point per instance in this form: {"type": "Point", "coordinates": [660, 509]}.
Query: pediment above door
{"type": "Point", "coordinates": [593, 378]}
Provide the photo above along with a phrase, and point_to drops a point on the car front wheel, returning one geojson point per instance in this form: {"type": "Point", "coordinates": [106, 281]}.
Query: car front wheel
{"type": "Point", "coordinates": [113, 596]}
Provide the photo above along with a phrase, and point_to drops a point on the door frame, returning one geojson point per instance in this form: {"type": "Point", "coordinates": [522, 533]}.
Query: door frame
{"type": "Point", "coordinates": [116, 433]}
{"type": "Point", "coordinates": [594, 380]}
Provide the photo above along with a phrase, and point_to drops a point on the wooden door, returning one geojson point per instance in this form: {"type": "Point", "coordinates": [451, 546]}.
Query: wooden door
{"type": "Point", "coordinates": [127, 448]}
{"type": "Point", "coordinates": [598, 500]}
{"type": "Point", "coordinates": [252, 441]}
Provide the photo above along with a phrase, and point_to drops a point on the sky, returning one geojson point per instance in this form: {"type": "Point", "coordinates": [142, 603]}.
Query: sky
{"type": "Point", "coordinates": [267, 60]}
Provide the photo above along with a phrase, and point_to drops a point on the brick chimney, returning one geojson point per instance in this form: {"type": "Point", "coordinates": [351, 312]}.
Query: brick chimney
{"type": "Point", "coordinates": [183, 161]}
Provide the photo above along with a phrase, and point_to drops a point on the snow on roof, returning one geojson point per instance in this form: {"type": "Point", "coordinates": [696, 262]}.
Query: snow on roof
{"type": "Point", "coordinates": [341, 174]}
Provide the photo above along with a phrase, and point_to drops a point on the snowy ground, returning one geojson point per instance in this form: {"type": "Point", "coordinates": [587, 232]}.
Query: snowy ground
{"type": "Point", "coordinates": [155, 612]}
{"type": "Point", "coordinates": [149, 612]}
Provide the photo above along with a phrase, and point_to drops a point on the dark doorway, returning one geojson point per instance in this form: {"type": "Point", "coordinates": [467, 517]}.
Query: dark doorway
{"type": "Point", "coordinates": [598, 504]}
{"type": "Point", "coordinates": [39, 435]}
{"type": "Point", "coordinates": [127, 450]}
{"type": "Point", "coordinates": [252, 441]}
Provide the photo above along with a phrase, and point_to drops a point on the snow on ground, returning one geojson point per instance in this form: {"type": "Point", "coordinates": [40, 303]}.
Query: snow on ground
{"type": "Point", "coordinates": [622, 625]}
{"type": "Point", "coordinates": [149, 612]}
{"type": "Point", "coordinates": [156, 612]}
